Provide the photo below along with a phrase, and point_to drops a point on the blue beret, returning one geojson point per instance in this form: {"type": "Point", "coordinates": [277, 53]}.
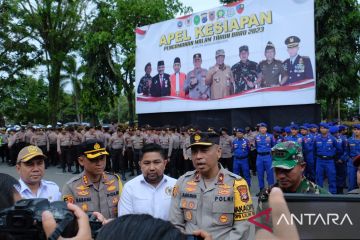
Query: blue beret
{"type": "Point", "coordinates": [341, 127]}
{"type": "Point", "coordinates": [240, 130]}
{"type": "Point", "coordinates": [262, 125]}
{"type": "Point", "coordinates": [313, 125]}
{"type": "Point", "coordinates": [287, 129]}
{"type": "Point", "coordinates": [304, 127]}
{"type": "Point", "coordinates": [357, 126]}
{"type": "Point", "coordinates": [324, 125]}
{"type": "Point", "coordinates": [277, 129]}
{"type": "Point", "coordinates": [334, 129]}
{"type": "Point", "coordinates": [294, 126]}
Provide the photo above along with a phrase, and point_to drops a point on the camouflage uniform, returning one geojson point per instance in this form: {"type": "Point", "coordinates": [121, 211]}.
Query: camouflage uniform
{"type": "Point", "coordinates": [287, 155]}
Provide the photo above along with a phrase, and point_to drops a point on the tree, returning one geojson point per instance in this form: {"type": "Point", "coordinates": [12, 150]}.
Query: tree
{"type": "Point", "coordinates": [16, 54]}
{"type": "Point", "coordinates": [55, 26]}
{"type": "Point", "coordinates": [337, 55]}
{"type": "Point", "coordinates": [110, 43]}
{"type": "Point", "coordinates": [26, 101]}
{"type": "Point", "coordinates": [74, 71]}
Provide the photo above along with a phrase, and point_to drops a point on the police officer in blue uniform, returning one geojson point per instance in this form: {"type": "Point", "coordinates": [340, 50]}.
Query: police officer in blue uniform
{"type": "Point", "coordinates": [297, 67]}
{"type": "Point", "coordinates": [325, 150]}
{"type": "Point", "coordinates": [294, 135]}
{"type": "Point", "coordinates": [277, 130]}
{"type": "Point", "coordinates": [353, 150]}
{"type": "Point", "coordinates": [313, 129]}
{"type": "Point", "coordinates": [264, 142]}
{"type": "Point", "coordinates": [241, 149]}
{"type": "Point", "coordinates": [308, 152]}
{"type": "Point", "coordinates": [340, 164]}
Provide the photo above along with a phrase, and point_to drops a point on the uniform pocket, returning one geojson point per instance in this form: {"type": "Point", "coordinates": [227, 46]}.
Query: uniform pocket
{"type": "Point", "coordinates": [189, 207]}
{"type": "Point", "coordinates": [223, 213]}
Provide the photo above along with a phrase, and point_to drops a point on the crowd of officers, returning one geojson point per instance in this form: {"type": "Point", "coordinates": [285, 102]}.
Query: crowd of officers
{"type": "Point", "coordinates": [328, 149]}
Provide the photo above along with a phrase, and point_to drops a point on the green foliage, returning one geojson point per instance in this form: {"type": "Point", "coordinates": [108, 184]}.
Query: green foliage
{"type": "Point", "coordinates": [337, 55]}
{"type": "Point", "coordinates": [26, 101]}
{"type": "Point", "coordinates": [56, 28]}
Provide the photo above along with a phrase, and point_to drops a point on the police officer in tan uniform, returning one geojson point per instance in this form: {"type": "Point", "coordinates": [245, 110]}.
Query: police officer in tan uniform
{"type": "Point", "coordinates": [117, 148]}
{"type": "Point", "coordinates": [64, 149]}
{"type": "Point", "coordinates": [211, 198]}
{"type": "Point", "coordinates": [226, 149]}
{"type": "Point", "coordinates": [41, 140]}
{"type": "Point", "coordinates": [164, 140]}
{"type": "Point", "coordinates": [194, 85]}
{"type": "Point", "coordinates": [94, 189]}
{"type": "Point", "coordinates": [129, 151]}
{"type": "Point", "coordinates": [176, 165]}
{"type": "Point", "coordinates": [52, 136]}
{"type": "Point", "coordinates": [76, 140]}
{"type": "Point", "coordinates": [220, 78]}
{"type": "Point", "coordinates": [138, 141]}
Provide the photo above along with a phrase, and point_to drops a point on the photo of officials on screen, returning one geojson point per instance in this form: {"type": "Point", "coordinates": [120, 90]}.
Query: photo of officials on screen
{"type": "Point", "coordinates": [221, 80]}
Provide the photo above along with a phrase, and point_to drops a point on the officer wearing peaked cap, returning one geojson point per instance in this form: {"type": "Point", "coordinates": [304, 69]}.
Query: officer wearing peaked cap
{"type": "Point", "coordinates": [94, 189]}
{"type": "Point", "coordinates": [194, 85]}
{"type": "Point", "coordinates": [220, 78]}
{"type": "Point", "coordinates": [271, 72]}
{"type": "Point", "coordinates": [211, 198]}
{"type": "Point", "coordinates": [297, 67]}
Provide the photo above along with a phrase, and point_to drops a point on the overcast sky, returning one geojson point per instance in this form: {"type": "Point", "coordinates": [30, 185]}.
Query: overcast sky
{"type": "Point", "coordinates": [201, 5]}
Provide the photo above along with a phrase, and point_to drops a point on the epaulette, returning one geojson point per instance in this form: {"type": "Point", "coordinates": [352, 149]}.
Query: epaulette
{"type": "Point", "coordinates": [73, 179]}
{"type": "Point", "coordinates": [233, 175]}
{"type": "Point", "coordinates": [189, 173]}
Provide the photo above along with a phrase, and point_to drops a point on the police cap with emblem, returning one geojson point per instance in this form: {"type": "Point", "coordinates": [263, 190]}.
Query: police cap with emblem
{"type": "Point", "coordinates": [287, 155]}
{"type": "Point", "coordinates": [197, 56]}
{"type": "Point", "coordinates": [292, 41]}
{"type": "Point", "coordinates": [93, 149]}
{"type": "Point", "coordinates": [204, 139]}
{"type": "Point", "coordinates": [28, 153]}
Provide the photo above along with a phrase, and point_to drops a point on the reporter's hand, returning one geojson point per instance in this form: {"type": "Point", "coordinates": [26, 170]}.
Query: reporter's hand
{"type": "Point", "coordinates": [101, 218]}
{"type": "Point", "coordinates": [201, 233]}
{"type": "Point", "coordinates": [84, 232]}
{"type": "Point", "coordinates": [282, 231]}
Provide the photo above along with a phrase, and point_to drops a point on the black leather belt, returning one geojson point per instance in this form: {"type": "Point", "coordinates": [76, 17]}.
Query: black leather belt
{"type": "Point", "coordinates": [263, 153]}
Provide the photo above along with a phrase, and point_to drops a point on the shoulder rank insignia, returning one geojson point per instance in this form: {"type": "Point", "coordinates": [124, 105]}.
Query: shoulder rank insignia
{"type": "Point", "coordinates": [111, 188]}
